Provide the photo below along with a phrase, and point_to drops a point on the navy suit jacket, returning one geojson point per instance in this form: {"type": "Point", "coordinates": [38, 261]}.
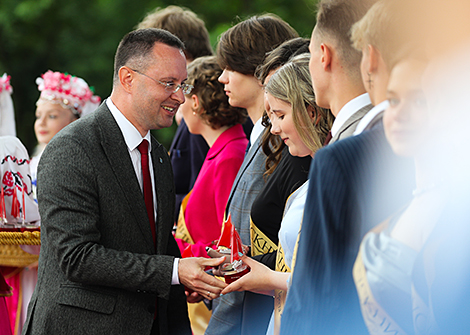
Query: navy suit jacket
{"type": "Point", "coordinates": [351, 190]}
{"type": "Point", "coordinates": [187, 154]}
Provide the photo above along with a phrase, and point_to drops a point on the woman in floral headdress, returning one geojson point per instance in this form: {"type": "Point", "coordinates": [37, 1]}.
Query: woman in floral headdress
{"type": "Point", "coordinates": [64, 98]}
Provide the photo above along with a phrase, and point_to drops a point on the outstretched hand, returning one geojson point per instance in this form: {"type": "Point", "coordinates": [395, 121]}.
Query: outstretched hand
{"type": "Point", "coordinates": [260, 279]}
{"type": "Point", "coordinates": [192, 275]}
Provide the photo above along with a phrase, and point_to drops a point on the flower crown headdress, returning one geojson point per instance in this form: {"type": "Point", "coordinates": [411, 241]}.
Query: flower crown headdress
{"type": "Point", "coordinates": [69, 91]}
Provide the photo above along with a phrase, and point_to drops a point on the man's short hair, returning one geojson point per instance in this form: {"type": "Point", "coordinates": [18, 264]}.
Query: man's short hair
{"type": "Point", "coordinates": [244, 46]}
{"type": "Point", "coordinates": [334, 20]}
{"type": "Point", "coordinates": [137, 45]}
{"type": "Point", "coordinates": [183, 23]}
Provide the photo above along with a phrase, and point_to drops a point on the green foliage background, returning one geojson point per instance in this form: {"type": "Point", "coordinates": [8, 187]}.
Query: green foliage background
{"type": "Point", "coordinates": [80, 37]}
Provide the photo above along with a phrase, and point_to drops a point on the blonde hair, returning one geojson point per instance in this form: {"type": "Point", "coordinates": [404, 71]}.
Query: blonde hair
{"type": "Point", "coordinates": [292, 84]}
{"type": "Point", "coordinates": [388, 27]}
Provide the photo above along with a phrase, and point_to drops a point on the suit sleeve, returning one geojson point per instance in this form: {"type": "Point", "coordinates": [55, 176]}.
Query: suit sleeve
{"type": "Point", "coordinates": [72, 208]}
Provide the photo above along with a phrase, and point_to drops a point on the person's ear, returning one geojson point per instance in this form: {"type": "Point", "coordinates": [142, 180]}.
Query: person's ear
{"type": "Point", "coordinates": [126, 78]}
{"type": "Point", "coordinates": [195, 103]}
{"type": "Point", "coordinates": [326, 56]}
{"type": "Point", "coordinates": [311, 113]}
{"type": "Point", "coordinates": [374, 56]}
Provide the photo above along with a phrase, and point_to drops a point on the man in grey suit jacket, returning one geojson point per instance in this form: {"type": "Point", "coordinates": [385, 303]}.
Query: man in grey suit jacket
{"type": "Point", "coordinates": [100, 271]}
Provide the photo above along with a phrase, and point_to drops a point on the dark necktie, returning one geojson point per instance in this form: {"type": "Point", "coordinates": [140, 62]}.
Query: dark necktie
{"type": "Point", "coordinates": [328, 138]}
{"type": "Point", "coordinates": [148, 194]}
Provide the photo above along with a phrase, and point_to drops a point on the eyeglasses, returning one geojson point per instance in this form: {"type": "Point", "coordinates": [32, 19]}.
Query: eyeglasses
{"type": "Point", "coordinates": [170, 87]}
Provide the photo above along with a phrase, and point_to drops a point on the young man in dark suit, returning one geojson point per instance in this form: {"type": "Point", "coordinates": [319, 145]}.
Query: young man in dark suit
{"type": "Point", "coordinates": [109, 263]}
{"type": "Point", "coordinates": [352, 188]}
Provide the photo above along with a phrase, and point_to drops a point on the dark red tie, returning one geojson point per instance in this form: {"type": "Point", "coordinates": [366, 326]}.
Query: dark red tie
{"type": "Point", "coordinates": [328, 138]}
{"type": "Point", "coordinates": [148, 194]}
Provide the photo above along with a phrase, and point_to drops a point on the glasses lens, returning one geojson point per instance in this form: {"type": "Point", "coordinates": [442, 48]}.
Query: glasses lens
{"type": "Point", "coordinates": [187, 88]}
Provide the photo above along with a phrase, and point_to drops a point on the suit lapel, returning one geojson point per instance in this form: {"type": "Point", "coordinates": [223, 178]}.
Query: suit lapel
{"type": "Point", "coordinates": [117, 153]}
{"type": "Point", "coordinates": [246, 162]}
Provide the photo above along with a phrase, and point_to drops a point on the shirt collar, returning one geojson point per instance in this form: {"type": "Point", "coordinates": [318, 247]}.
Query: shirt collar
{"type": "Point", "coordinates": [131, 135]}
{"type": "Point", "coordinates": [349, 110]}
{"type": "Point", "coordinates": [362, 125]}
{"type": "Point", "coordinates": [257, 130]}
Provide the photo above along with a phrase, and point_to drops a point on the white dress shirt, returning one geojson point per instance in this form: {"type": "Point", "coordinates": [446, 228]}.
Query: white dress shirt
{"type": "Point", "coordinates": [133, 138]}
{"type": "Point", "coordinates": [348, 110]}
{"type": "Point", "coordinates": [256, 132]}
{"type": "Point", "coordinates": [362, 125]}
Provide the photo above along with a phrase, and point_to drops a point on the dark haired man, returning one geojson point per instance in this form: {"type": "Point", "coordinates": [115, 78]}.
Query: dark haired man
{"type": "Point", "coordinates": [109, 263]}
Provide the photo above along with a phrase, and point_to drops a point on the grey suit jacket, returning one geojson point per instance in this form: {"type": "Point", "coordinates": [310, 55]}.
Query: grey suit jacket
{"type": "Point", "coordinates": [227, 310]}
{"type": "Point", "coordinates": [98, 270]}
{"type": "Point", "coordinates": [246, 187]}
{"type": "Point", "coordinates": [348, 128]}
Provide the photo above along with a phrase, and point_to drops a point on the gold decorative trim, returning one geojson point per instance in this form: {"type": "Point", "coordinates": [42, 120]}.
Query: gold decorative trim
{"type": "Point", "coordinates": [20, 238]}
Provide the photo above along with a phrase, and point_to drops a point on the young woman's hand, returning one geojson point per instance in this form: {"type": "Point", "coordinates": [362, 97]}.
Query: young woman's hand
{"type": "Point", "coordinates": [260, 279]}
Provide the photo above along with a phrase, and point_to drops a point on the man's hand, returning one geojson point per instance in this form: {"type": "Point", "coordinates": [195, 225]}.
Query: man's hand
{"type": "Point", "coordinates": [192, 275]}
{"type": "Point", "coordinates": [215, 254]}
{"type": "Point", "coordinates": [193, 297]}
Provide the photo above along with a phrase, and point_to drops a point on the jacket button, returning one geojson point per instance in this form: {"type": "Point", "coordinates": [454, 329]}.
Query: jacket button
{"type": "Point", "coordinates": [151, 309]}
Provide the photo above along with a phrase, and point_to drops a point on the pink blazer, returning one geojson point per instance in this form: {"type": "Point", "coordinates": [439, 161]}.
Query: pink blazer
{"type": "Point", "coordinates": [205, 209]}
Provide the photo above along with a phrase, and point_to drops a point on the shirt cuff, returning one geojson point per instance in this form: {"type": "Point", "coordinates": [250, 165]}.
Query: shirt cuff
{"type": "Point", "coordinates": [175, 279]}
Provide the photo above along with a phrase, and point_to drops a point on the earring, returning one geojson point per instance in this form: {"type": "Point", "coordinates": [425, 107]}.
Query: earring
{"type": "Point", "coordinates": [194, 113]}
{"type": "Point", "coordinates": [369, 81]}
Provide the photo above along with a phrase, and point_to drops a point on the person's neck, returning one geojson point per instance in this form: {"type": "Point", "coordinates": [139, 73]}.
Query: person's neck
{"type": "Point", "coordinates": [346, 95]}
{"type": "Point", "coordinates": [344, 88]}
{"type": "Point", "coordinates": [211, 135]}
{"type": "Point", "coordinates": [124, 106]}
{"type": "Point", "coordinates": [255, 112]}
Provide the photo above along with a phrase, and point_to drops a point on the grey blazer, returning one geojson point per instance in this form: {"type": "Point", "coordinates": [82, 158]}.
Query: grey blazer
{"type": "Point", "coordinates": [98, 270]}
{"type": "Point", "coordinates": [227, 310]}
{"type": "Point", "coordinates": [246, 187]}
{"type": "Point", "coordinates": [348, 128]}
